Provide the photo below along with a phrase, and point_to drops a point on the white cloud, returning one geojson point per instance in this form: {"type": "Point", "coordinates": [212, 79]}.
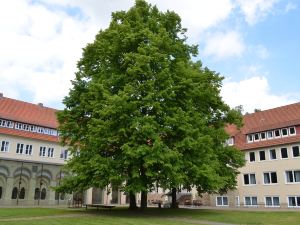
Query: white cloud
{"type": "Point", "coordinates": [41, 41]}
{"type": "Point", "coordinates": [39, 50]}
{"type": "Point", "coordinates": [224, 45]}
{"type": "Point", "coordinates": [290, 6]}
{"type": "Point", "coordinates": [256, 10]}
{"type": "Point", "coordinates": [253, 93]}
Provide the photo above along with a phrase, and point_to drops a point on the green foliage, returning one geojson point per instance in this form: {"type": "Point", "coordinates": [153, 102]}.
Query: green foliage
{"type": "Point", "coordinates": [143, 113]}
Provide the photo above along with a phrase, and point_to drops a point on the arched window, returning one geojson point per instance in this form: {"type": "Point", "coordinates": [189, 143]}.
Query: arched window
{"type": "Point", "coordinates": [14, 193]}
{"type": "Point", "coordinates": [36, 194]}
{"type": "Point", "coordinates": [0, 192]}
{"type": "Point", "coordinates": [43, 194]}
{"type": "Point", "coordinates": [62, 196]}
{"type": "Point", "coordinates": [22, 193]}
{"type": "Point", "coordinates": [56, 195]}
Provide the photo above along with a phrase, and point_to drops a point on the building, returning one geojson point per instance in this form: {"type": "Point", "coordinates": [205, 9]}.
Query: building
{"type": "Point", "coordinates": [30, 154]}
{"type": "Point", "coordinates": [31, 159]}
{"type": "Point", "coordinates": [270, 140]}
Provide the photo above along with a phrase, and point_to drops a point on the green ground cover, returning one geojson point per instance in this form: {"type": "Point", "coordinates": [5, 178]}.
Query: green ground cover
{"type": "Point", "coordinates": [153, 216]}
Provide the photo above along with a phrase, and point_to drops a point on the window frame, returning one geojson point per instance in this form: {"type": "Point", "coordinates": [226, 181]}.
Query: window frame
{"type": "Point", "coordinates": [293, 177]}
{"type": "Point", "coordinates": [295, 132]}
{"type": "Point", "coordinates": [296, 197]}
{"type": "Point", "coordinates": [279, 136]}
{"type": "Point", "coordinates": [272, 200]}
{"type": "Point", "coordinates": [287, 132]}
{"type": "Point", "coordinates": [261, 138]}
{"type": "Point", "coordinates": [222, 200]}
{"type": "Point", "coordinates": [270, 132]}
{"type": "Point", "coordinates": [270, 178]}
{"type": "Point", "coordinates": [4, 146]}
{"type": "Point", "coordinates": [250, 157]}
{"type": "Point", "coordinates": [264, 154]}
{"type": "Point", "coordinates": [248, 138]}
{"type": "Point", "coordinates": [287, 154]}
{"type": "Point", "coordinates": [293, 155]}
{"type": "Point", "coordinates": [251, 200]}
{"type": "Point", "coordinates": [270, 155]}
{"type": "Point", "coordinates": [249, 179]}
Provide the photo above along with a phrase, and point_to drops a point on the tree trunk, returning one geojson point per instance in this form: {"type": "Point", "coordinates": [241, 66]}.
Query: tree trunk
{"type": "Point", "coordinates": [132, 201]}
{"type": "Point", "coordinates": [144, 200]}
{"type": "Point", "coordinates": [174, 203]}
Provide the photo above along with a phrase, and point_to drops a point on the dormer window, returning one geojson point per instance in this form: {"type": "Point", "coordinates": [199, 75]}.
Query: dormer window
{"type": "Point", "coordinates": [277, 133]}
{"type": "Point", "coordinates": [250, 138]}
{"type": "Point", "coordinates": [230, 141]}
{"type": "Point", "coordinates": [270, 134]}
{"type": "Point", "coordinates": [256, 137]}
{"type": "Point", "coordinates": [284, 132]}
{"type": "Point", "coordinates": [292, 131]}
{"type": "Point", "coordinates": [263, 136]}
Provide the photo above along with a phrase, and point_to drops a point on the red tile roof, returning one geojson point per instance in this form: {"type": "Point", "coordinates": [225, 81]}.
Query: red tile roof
{"type": "Point", "coordinates": [25, 112]}
{"type": "Point", "coordinates": [271, 119]}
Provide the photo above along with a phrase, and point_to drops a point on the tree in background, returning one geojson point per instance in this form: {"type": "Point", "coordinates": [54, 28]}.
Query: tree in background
{"type": "Point", "coordinates": [144, 115]}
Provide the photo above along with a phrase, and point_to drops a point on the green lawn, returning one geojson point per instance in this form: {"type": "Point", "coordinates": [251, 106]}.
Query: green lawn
{"type": "Point", "coordinates": [153, 216]}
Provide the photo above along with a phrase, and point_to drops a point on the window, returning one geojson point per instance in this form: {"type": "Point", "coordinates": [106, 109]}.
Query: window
{"type": "Point", "coordinates": [256, 137]}
{"type": "Point", "coordinates": [296, 152]}
{"type": "Point", "coordinates": [22, 193]}
{"type": "Point", "coordinates": [284, 153]}
{"type": "Point", "coordinates": [277, 133]}
{"type": "Point", "coordinates": [270, 178]}
{"type": "Point", "coordinates": [262, 155]}
{"type": "Point", "coordinates": [230, 141]}
{"type": "Point", "coordinates": [250, 137]}
{"type": "Point", "coordinates": [250, 201]}
{"type": "Point", "coordinates": [284, 132]}
{"type": "Point", "coordinates": [252, 156]}
{"type": "Point", "coordinates": [14, 193]}
{"type": "Point", "coordinates": [50, 152]}
{"type": "Point", "coordinates": [4, 146]}
{"type": "Point", "coordinates": [20, 148]}
{"type": "Point", "coordinates": [272, 201]}
{"type": "Point", "coordinates": [292, 131]}
{"type": "Point", "coordinates": [263, 136]}
{"type": "Point", "coordinates": [292, 176]}
{"type": "Point", "coordinates": [36, 194]}
{"type": "Point", "coordinates": [237, 201]}
{"type": "Point", "coordinates": [64, 154]}
{"type": "Point", "coordinates": [272, 154]}
{"type": "Point", "coordinates": [222, 201]}
{"type": "Point", "coordinates": [270, 134]}
{"type": "Point", "coordinates": [0, 192]}
{"type": "Point", "coordinates": [249, 179]}
{"type": "Point", "coordinates": [294, 201]}
{"type": "Point", "coordinates": [42, 151]}
{"type": "Point", "coordinates": [28, 150]}
{"type": "Point", "coordinates": [43, 194]}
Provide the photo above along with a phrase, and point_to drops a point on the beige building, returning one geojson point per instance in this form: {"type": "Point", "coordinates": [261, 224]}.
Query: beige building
{"type": "Point", "coordinates": [31, 159]}
{"type": "Point", "coordinates": [270, 140]}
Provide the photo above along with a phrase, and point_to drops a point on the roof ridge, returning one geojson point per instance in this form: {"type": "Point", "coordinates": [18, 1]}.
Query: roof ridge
{"type": "Point", "coordinates": [29, 103]}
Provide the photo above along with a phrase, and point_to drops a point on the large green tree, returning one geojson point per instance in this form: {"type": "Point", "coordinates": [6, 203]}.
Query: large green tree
{"type": "Point", "coordinates": [143, 114]}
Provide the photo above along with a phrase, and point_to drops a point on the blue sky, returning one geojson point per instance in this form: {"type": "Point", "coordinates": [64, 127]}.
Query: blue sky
{"type": "Point", "coordinates": [254, 44]}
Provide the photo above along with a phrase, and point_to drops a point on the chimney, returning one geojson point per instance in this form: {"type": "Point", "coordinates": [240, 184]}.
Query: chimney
{"type": "Point", "coordinates": [1, 95]}
{"type": "Point", "coordinates": [40, 104]}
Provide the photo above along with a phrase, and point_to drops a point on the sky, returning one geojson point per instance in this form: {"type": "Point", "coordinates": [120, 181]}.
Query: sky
{"type": "Point", "coordinates": [253, 44]}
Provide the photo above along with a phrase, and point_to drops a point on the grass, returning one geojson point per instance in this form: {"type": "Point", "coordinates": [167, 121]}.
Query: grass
{"type": "Point", "coordinates": [152, 216]}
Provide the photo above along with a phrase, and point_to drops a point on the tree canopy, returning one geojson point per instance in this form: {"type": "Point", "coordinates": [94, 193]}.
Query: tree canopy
{"type": "Point", "coordinates": [144, 114]}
